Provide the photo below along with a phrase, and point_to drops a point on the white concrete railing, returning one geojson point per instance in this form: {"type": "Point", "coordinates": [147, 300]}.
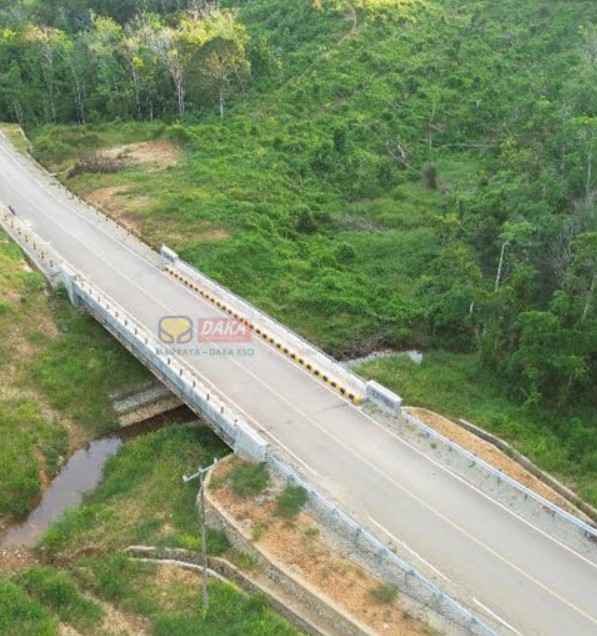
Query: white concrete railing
{"type": "Point", "coordinates": [184, 381]}
{"type": "Point", "coordinates": [287, 341]}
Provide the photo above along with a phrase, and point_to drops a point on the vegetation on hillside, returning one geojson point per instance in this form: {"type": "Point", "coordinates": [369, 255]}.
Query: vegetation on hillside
{"type": "Point", "coordinates": [82, 62]}
{"type": "Point", "coordinates": [387, 172]}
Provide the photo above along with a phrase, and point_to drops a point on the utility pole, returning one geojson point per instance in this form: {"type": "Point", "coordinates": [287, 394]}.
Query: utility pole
{"type": "Point", "coordinates": [200, 474]}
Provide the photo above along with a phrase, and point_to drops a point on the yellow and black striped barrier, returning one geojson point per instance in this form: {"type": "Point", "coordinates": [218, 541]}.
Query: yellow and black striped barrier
{"type": "Point", "coordinates": [347, 393]}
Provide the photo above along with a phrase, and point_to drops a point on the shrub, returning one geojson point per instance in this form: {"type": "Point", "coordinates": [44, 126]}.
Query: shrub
{"type": "Point", "coordinates": [383, 594]}
{"type": "Point", "coordinates": [217, 542]}
{"type": "Point", "coordinates": [430, 176]}
{"type": "Point", "coordinates": [96, 163]}
{"type": "Point", "coordinates": [291, 502]}
{"type": "Point", "coordinates": [248, 480]}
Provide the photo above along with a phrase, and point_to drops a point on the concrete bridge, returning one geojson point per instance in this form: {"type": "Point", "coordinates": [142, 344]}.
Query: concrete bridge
{"type": "Point", "coordinates": [268, 392]}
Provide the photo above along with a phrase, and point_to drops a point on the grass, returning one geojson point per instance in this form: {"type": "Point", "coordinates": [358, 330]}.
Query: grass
{"type": "Point", "coordinates": [28, 444]}
{"type": "Point", "coordinates": [37, 600]}
{"type": "Point", "coordinates": [248, 480]}
{"type": "Point", "coordinates": [15, 134]}
{"type": "Point", "coordinates": [58, 592]}
{"type": "Point", "coordinates": [31, 443]}
{"type": "Point", "coordinates": [383, 594]}
{"type": "Point", "coordinates": [57, 367]}
{"type": "Point", "coordinates": [454, 385]}
{"type": "Point", "coordinates": [20, 614]}
{"type": "Point", "coordinates": [290, 502]}
{"type": "Point", "coordinates": [142, 499]}
{"type": "Point", "coordinates": [172, 607]}
{"type": "Point", "coordinates": [80, 367]}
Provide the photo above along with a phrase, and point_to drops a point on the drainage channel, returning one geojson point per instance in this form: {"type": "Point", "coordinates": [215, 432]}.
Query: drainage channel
{"type": "Point", "coordinates": [80, 475]}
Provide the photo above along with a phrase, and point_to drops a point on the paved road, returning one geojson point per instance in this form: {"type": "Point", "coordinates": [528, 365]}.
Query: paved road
{"type": "Point", "coordinates": [499, 562]}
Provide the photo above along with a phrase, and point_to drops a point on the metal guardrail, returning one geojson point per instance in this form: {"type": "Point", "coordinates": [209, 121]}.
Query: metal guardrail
{"type": "Point", "coordinates": [32, 245]}
{"type": "Point", "coordinates": [589, 530]}
{"type": "Point", "coordinates": [389, 566]}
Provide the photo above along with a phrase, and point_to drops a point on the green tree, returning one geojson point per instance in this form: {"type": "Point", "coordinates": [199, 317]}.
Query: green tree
{"type": "Point", "coordinates": [581, 281]}
{"type": "Point", "coordinates": [223, 59]}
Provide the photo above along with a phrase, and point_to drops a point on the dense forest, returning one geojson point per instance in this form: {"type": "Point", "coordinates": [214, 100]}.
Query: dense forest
{"type": "Point", "coordinates": [84, 61]}
{"type": "Point", "coordinates": [334, 129]}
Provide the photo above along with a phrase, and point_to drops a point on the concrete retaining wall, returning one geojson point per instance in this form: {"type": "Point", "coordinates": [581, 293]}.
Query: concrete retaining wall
{"type": "Point", "coordinates": [384, 398]}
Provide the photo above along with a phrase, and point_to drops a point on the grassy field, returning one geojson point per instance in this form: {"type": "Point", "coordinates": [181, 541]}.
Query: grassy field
{"type": "Point", "coordinates": [141, 500]}
{"type": "Point", "coordinates": [57, 367]}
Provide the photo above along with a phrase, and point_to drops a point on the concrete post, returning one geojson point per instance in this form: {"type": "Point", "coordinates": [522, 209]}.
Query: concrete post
{"type": "Point", "coordinates": [68, 277]}
{"type": "Point", "coordinates": [384, 398]}
{"type": "Point", "coordinates": [168, 254]}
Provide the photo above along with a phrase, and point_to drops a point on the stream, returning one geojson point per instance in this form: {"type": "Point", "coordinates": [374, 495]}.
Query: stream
{"type": "Point", "coordinates": [80, 475]}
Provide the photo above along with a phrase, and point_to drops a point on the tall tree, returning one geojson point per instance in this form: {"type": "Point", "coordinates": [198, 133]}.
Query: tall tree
{"type": "Point", "coordinates": [223, 61]}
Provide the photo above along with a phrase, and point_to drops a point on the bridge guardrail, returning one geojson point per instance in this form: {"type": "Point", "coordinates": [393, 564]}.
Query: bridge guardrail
{"type": "Point", "coordinates": [37, 249]}
{"type": "Point", "coordinates": [584, 528]}
{"type": "Point", "coordinates": [315, 360]}
{"type": "Point", "coordinates": [381, 560]}
{"type": "Point", "coordinates": [180, 378]}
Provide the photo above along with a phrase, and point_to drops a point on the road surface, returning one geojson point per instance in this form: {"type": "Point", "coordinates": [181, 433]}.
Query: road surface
{"type": "Point", "coordinates": [501, 564]}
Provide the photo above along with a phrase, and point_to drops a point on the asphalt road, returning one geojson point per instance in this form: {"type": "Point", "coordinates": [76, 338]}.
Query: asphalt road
{"type": "Point", "coordinates": [500, 563]}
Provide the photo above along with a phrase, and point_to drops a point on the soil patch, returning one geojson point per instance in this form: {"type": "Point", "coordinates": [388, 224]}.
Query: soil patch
{"type": "Point", "coordinates": [121, 623]}
{"type": "Point", "coordinates": [160, 154]}
{"type": "Point", "coordinates": [14, 559]}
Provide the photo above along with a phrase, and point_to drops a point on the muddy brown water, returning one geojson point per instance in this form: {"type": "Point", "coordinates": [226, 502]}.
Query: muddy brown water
{"type": "Point", "coordinates": [80, 475]}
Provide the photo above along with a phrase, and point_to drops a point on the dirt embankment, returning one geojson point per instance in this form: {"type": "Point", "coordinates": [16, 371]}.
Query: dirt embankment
{"type": "Point", "coordinates": [494, 456]}
{"type": "Point", "coordinates": [302, 545]}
